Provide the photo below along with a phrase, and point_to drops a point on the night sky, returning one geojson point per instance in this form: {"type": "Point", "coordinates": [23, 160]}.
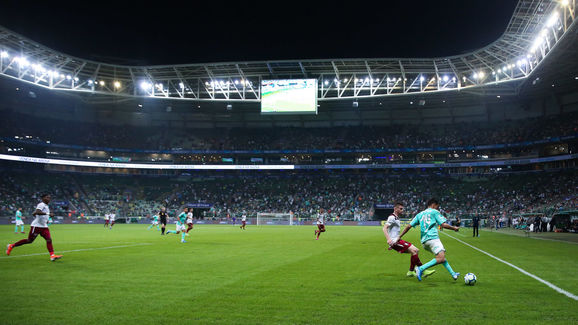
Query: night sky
{"type": "Point", "coordinates": [216, 31]}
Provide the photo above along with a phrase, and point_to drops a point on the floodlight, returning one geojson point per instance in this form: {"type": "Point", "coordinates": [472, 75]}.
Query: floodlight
{"type": "Point", "coordinates": [553, 19]}
{"type": "Point", "coordinates": [117, 84]}
{"type": "Point", "coordinates": [145, 85]}
{"type": "Point", "coordinates": [421, 78]}
{"type": "Point", "coordinates": [22, 61]}
{"type": "Point", "coordinates": [4, 54]}
{"type": "Point", "coordinates": [446, 78]}
{"type": "Point", "coordinates": [101, 83]}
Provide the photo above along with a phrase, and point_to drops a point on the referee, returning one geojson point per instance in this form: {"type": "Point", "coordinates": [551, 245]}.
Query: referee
{"type": "Point", "coordinates": [163, 215]}
{"type": "Point", "coordinates": [476, 225]}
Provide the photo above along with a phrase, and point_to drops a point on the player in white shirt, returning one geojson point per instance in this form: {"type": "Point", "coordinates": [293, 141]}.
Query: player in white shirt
{"type": "Point", "coordinates": [111, 216]}
{"type": "Point", "coordinates": [106, 220]}
{"type": "Point", "coordinates": [39, 227]}
{"type": "Point", "coordinates": [391, 231]}
{"type": "Point", "coordinates": [189, 221]}
{"type": "Point", "coordinates": [243, 220]}
{"type": "Point", "coordinates": [320, 224]}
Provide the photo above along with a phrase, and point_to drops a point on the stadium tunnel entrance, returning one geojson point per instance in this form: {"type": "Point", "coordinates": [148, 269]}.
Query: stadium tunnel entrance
{"type": "Point", "coordinates": [382, 211]}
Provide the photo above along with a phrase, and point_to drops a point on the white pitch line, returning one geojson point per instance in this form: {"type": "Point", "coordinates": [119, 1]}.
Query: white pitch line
{"type": "Point", "coordinates": [79, 250]}
{"type": "Point", "coordinates": [540, 238]}
{"type": "Point", "coordinates": [560, 290]}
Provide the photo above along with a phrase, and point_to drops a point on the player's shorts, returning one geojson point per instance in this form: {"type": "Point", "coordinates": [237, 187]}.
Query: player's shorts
{"type": "Point", "coordinates": [106, 222]}
{"type": "Point", "coordinates": [163, 221]}
{"type": "Point", "coordinates": [35, 231]}
{"type": "Point", "coordinates": [180, 227]}
{"type": "Point", "coordinates": [244, 222]}
{"type": "Point", "coordinates": [19, 223]}
{"type": "Point", "coordinates": [401, 246]}
{"type": "Point", "coordinates": [155, 223]}
{"type": "Point", "coordinates": [434, 245]}
{"type": "Point", "coordinates": [321, 228]}
{"type": "Point", "coordinates": [112, 222]}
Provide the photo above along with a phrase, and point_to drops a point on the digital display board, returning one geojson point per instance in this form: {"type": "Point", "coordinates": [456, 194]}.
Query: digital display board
{"type": "Point", "coordinates": [289, 96]}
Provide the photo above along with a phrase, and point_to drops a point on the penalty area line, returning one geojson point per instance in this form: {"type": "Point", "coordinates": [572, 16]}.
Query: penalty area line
{"type": "Point", "coordinates": [80, 250]}
{"type": "Point", "coordinates": [552, 286]}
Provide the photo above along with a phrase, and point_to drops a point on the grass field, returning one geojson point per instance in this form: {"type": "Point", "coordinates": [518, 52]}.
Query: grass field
{"type": "Point", "coordinates": [278, 275]}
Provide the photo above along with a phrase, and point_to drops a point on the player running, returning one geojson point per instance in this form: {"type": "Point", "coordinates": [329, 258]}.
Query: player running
{"type": "Point", "coordinates": [106, 220]}
{"type": "Point", "coordinates": [180, 223]}
{"type": "Point", "coordinates": [391, 232]}
{"type": "Point", "coordinates": [320, 224]}
{"type": "Point", "coordinates": [189, 221]}
{"type": "Point", "coordinates": [155, 222]}
{"type": "Point", "coordinates": [38, 227]}
{"type": "Point", "coordinates": [428, 221]}
{"type": "Point", "coordinates": [243, 220]}
{"type": "Point", "coordinates": [111, 216]}
{"type": "Point", "coordinates": [18, 221]}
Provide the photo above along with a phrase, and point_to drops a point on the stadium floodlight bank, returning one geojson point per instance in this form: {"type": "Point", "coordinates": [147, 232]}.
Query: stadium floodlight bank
{"type": "Point", "coordinates": [535, 29]}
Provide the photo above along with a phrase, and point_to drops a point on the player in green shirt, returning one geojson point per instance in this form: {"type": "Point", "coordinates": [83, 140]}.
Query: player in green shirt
{"type": "Point", "coordinates": [19, 221]}
{"type": "Point", "coordinates": [181, 225]}
{"type": "Point", "coordinates": [155, 222]}
{"type": "Point", "coordinates": [428, 221]}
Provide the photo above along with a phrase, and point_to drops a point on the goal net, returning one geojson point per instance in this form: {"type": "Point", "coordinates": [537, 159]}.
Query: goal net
{"type": "Point", "coordinates": [276, 218]}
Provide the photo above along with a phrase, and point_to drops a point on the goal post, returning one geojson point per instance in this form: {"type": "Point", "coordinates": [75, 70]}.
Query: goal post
{"type": "Point", "coordinates": [270, 218]}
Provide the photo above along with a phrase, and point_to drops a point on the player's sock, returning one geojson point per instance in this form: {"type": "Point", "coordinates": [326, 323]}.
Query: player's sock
{"type": "Point", "coordinates": [163, 231]}
{"type": "Point", "coordinates": [170, 232]}
{"type": "Point", "coordinates": [15, 229]}
{"type": "Point", "coordinates": [448, 267]}
{"type": "Point", "coordinates": [22, 228]}
{"type": "Point", "coordinates": [49, 247]}
{"type": "Point", "coordinates": [428, 264]}
{"type": "Point", "coordinates": [183, 236]}
{"type": "Point", "coordinates": [414, 261]}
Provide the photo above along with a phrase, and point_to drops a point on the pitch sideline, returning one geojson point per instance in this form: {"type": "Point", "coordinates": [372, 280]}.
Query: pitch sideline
{"type": "Point", "coordinates": [552, 286]}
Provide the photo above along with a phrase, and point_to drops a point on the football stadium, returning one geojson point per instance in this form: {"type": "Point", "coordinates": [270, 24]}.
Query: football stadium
{"type": "Point", "coordinates": [440, 188]}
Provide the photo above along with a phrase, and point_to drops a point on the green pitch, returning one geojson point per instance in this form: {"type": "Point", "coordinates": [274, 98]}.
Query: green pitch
{"type": "Point", "coordinates": [278, 275]}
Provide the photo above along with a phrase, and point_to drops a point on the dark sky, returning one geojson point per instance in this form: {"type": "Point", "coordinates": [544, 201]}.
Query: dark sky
{"type": "Point", "coordinates": [163, 32]}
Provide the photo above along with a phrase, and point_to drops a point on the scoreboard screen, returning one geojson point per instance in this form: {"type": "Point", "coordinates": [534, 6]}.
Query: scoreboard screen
{"type": "Point", "coordinates": [289, 96]}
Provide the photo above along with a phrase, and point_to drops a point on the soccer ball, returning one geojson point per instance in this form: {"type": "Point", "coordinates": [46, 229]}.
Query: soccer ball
{"type": "Point", "coordinates": [470, 279]}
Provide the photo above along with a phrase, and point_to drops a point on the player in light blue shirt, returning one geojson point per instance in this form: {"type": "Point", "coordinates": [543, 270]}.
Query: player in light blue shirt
{"type": "Point", "coordinates": [18, 221]}
{"type": "Point", "coordinates": [428, 221]}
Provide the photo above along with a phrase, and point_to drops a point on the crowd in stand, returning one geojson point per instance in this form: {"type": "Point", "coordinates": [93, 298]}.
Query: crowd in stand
{"type": "Point", "coordinates": [286, 138]}
{"type": "Point", "coordinates": [352, 197]}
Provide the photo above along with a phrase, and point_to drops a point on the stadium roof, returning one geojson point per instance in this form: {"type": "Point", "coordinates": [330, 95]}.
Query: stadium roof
{"type": "Point", "coordinates": [535, 29]}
